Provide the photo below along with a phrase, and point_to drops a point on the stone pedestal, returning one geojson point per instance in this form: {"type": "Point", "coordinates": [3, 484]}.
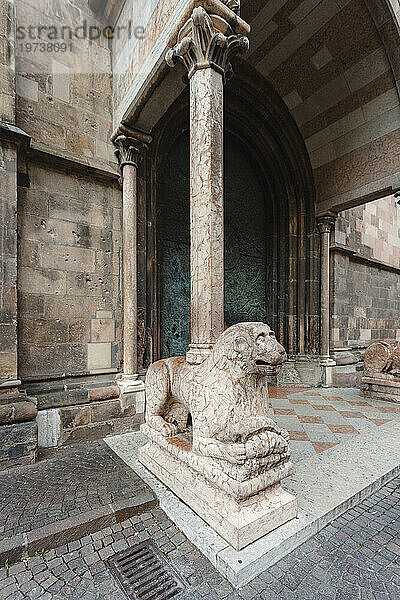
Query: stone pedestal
{"type": "Point", "coordinates": [327, 365]}
{"type": "Point", "coordinates": [382, 386]}
{"type": "Point", "coordinates": [221, 501]}
{"type": "Point", "coordinates": [133, 388]}
{"type": "Point", "coordinates": [346, 372]}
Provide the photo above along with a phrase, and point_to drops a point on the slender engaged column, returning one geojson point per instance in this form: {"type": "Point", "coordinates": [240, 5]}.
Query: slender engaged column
{"type": "Point", "coordinates": [127, 152]}
{"type": "Point", "coordinates": [205, 43]}
{"type": "Point", "coordinates": [325, 225]}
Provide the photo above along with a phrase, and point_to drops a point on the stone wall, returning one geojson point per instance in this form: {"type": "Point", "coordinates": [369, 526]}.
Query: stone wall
{"type": "Point", "coordinates": [366, 274]}
{"type": "Point", "coordinates": [372, 230]}
{"type": "Point", "coordinates": [8, 200]}
{"type": "Point", "coordinates": [365, 283]}
{"type": "Point", "coordinates": [69, 215]}
{"type": "Point", "coordinates": [135, 59]}
{"type": "Point", "coordinates": [64, 96]}
{"type": "Point", "coordinates": [79, 409]}
{"type": "Point", "coordinates": [366, 302]}
{"type": "Point", "coordinates": [8, 269]}
{"type": "Point", "coordinates": [68, 284]}
{"type": "Point", "coordinates": [65, 186]}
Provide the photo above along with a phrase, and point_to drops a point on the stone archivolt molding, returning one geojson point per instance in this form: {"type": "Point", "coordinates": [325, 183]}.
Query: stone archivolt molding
{"type": "Point", "coordinates": [206, 40]}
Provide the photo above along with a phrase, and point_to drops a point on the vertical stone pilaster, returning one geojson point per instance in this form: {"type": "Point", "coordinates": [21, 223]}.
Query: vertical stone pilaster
{"type": "Point", "coordinates": [128, 149]}
{"type": "Point", "coordinates": [325, 224]}
{"type": "Point", "coordinates": [205, 44]}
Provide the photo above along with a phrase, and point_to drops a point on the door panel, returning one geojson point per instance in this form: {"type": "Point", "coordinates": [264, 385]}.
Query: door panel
{"type": "Point", "coordinates": [245, 243]}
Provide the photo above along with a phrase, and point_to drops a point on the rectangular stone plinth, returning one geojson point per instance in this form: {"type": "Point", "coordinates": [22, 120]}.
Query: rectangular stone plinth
{"type": "Point", "coordinates": [239, 523]}
{"type": "Point", "coordinates": [237, 480]}
{"type": "Point", "coordinates": [382, 386]}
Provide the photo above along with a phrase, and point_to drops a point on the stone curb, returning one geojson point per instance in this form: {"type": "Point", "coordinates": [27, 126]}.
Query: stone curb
{"type": "Point", "coordinates": [59, 533]}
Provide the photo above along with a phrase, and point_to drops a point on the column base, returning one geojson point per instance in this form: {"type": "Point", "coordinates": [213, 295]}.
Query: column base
{"type": "Point", "coordinates": [129, 383]}
{"type": "Point", "coordinates": [133, 388]}
{"type": "Point", "coordinates": [327, 365]}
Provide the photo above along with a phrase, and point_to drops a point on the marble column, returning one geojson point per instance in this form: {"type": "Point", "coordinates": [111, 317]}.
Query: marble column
{"type": "Point", "coordinates": [205, 43]}
{"type": "Point", "coordinates": [325, 224]}
{"type": "Point", "coordinates": [128, 149]}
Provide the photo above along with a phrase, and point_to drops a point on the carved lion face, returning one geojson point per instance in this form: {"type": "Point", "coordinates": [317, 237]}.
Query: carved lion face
{"type": "Point", "coordinates": [253, 347]}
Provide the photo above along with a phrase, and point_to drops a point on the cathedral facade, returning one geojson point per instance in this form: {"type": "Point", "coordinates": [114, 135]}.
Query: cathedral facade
{"type": "Point", "coordinates": [95, 154]}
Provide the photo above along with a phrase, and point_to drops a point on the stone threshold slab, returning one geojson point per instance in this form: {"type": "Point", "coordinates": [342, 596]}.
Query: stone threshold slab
{"type": "Point", "coordinates": [64, 531]}
{"type": "Point", "coordinates": [326, 486]}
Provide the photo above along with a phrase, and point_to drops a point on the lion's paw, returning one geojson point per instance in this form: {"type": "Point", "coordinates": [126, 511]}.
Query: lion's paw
{"type": "Point", "coordinates": [237, 453]}
{"type": "Point", "coordinates": [169, 429]}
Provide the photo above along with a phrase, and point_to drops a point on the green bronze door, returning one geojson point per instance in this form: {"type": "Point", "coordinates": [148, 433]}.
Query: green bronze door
{"type": "Point", "coordinates": [245, 243]}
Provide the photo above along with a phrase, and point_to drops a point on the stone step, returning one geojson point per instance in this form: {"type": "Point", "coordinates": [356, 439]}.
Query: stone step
{"type": "Point", "coordinates": [60, 533]}
{"type": "Point", "coordinates": [325, 485]}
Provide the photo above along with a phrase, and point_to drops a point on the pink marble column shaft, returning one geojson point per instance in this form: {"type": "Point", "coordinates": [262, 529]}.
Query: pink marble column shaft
{"type": "Point", "coordinates": [206, 212]}
{"type": "Point", "coordinates": [128, 148]}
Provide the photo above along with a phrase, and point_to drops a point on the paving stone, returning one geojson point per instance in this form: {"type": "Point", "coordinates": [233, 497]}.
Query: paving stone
{"type": "Point", "coordinates": [65, 485]}
{"type": "Point", "coordinates": [330, 566]}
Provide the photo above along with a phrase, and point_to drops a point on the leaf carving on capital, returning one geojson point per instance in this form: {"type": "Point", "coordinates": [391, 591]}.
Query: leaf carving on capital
{"type": "Point", "coordinates": [206, 41]}
{"type": "Point", "coordinates": [325, 224]}
{"type": "Point", "coordinates": [127, 150]}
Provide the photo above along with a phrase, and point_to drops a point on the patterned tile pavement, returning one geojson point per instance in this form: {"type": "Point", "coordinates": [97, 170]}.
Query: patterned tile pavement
{"type": "Point", "coordinates": [357, 557]}
{"type": "Point", "coordinates": [318, 419]}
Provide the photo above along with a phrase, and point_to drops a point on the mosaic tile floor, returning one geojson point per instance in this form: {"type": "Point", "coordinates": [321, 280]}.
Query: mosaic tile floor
{"type": "Point", "coordinates": [318, 419]}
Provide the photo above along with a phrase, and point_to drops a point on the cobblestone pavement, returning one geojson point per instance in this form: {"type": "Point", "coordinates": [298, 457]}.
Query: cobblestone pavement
{"type": "Point", "coordinates": [76, 479]}
{"type": "Point", "coordinates": [318, 419]}
{"type": "Point", "coordinates": [356, 556]}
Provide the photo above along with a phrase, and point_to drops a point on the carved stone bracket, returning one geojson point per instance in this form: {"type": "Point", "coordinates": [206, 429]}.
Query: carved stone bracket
{"type": "Point", "coordinates": [206, 40]}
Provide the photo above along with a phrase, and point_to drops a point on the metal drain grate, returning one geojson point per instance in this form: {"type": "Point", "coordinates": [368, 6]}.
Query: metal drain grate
{"type": "Point", "coordinates": [145, 574]}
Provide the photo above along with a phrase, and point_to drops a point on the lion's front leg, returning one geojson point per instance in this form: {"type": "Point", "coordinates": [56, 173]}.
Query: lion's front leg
{"type": "Point", "coordinates": [266, 444]}
{"type": "Point", "coordinates": [157, 396]}
{"type": "Point", "coordinates": [252, 426]}
{"type": "Point", "coordinates": [233, 453]}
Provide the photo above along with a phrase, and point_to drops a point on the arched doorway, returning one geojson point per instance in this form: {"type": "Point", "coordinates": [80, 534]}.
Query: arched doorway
{"type": "Point", "coordinates": [246, 252]}
{"type": "Point", "coordinates": [271, 237]}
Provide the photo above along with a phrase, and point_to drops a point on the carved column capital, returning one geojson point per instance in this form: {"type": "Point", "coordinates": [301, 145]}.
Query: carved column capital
{"type": "Point", "coordinates": [127, 150]}
{"type": "Point", "coordinates": [206, 40]}
{"type": "Point", "coordinates": [325, 223]}
{"type": "Point", "coordinates": [129, 144]}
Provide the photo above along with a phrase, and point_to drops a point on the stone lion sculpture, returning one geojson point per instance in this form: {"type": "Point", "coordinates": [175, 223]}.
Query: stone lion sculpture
{"type": "Point", "coordinates": [226, 396]}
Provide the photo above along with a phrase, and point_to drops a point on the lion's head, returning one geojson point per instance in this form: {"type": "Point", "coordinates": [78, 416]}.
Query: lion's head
{"type": "Point", "coordinates": [252, 346]}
